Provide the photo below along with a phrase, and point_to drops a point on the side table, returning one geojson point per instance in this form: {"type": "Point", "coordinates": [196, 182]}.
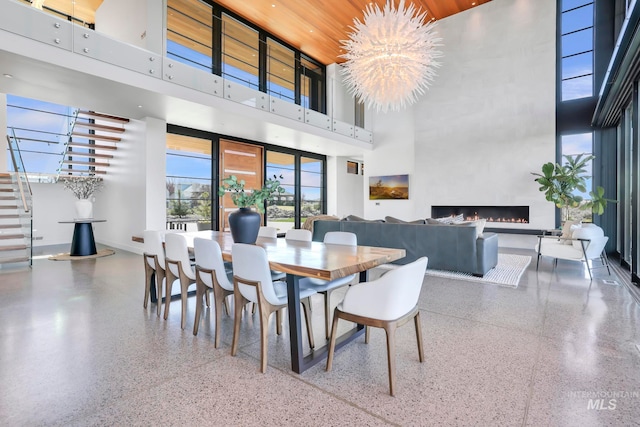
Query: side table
{"type": "Point", "coordinates": [83, 242]}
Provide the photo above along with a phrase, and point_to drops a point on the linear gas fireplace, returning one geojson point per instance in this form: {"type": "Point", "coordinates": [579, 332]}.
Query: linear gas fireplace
{"type": "Point", "coordinates": [504, 214]}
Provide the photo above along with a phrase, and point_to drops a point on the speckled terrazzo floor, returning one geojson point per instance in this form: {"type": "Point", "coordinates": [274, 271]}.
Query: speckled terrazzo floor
{"type": "Point", "coordinates": [77, 348]}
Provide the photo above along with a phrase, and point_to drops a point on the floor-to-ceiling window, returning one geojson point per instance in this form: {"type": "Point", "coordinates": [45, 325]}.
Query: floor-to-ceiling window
{"type": "Point", "coordinates": [575, 145]}
{"type": "Point", "coordinates": [188, 183]}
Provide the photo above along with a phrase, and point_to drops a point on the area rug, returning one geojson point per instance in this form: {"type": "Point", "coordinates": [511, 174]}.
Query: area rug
{"type": "Point", "coordinates": [67, 257]}
{"type": "Point", "coordinates": [507, 273]}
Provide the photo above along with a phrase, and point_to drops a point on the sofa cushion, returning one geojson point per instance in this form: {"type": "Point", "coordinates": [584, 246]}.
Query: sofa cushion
{"type": "Point", "coordinates": [479, 224]}
{"type": "Point", "coordinates": [433, 221]}
{"type": "Point", "coordinates": [451, 219]}
{"type": "Point", "coordinates": [393, 220]}
{"type": "Point", "coordinates": [357, 218]}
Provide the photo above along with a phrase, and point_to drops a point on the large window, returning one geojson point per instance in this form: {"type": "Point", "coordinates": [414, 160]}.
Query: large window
{"type": "Point", "coordinates": [573, 145]}
{"type": "Point", "coordinates": [215, 40]}
{"type": "Point", "coordinates": [577, 49]}
{"type": "Point", "coordinates": [188, 185]}
{"type": "Point", "coordinates": [41, 129]}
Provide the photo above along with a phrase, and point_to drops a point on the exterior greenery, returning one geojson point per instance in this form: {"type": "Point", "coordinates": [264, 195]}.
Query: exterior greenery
{"type": "Point", "coordinates": [246, 199]}
{"type": "Point", "coordinates": [561, 182]}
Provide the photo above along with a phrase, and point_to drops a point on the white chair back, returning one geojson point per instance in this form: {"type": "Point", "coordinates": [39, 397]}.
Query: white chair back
{"type": "Point", "coordinates": [341, 238]}
{"type": "Point", "coordinates": [597, 239]}
{"type": "Point", "coordinates": [209, 255]}
{"type": "Point", "coordinates": [250, 263]}
{"type": "Point", "coordinates": [389, 297]}
{"type": "Point", "coordinates": [298, 234]}
{"type": "Point", "coordinates": [177, 250]}
{"type": "Point", "coordinates": [153, 246]}
{"type": "Point", "coordinates": [270, 232]}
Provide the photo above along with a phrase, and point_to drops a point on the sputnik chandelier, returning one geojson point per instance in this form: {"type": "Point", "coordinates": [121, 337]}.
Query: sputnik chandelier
{"type": "Point", "coordinates": [391, 57]}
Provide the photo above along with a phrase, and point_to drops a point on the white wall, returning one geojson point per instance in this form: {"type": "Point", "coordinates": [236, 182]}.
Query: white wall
{"type": "Point", "coordinates": [340, 104]}
{"type": "Point", "coordinates": [348, 191]}
{"type": "Point", "coordinates": [3, 128]}
{"type": "Point", "coordinates": [137, 22]}
{"type": "Point", "coordinates": [393, 154]}
{"type": "Point", "coordinates": [130, 201]}
{"type": "Point", "coordinates": [51, 204]}
{"type": "Point", "coordinates": [487, 121]}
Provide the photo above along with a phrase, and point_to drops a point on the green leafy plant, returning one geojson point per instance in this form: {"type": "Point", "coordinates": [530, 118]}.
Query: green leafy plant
{"type": "Point", "coordinates": [560, 182]}
{"type": "Point", "coordinates": [247, 198]}
{"type": "Point", "coordinates": [179, 208]}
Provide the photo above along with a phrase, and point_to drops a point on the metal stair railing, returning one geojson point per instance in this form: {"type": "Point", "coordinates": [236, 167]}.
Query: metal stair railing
{"type": "Point", "coordinates": [24, 187]}
{"type": "Point", "coordinates": [71, 127]}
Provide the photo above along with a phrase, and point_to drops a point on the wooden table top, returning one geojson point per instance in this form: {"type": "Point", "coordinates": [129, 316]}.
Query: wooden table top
{"type": "Point", "coordinates": [309, 259]}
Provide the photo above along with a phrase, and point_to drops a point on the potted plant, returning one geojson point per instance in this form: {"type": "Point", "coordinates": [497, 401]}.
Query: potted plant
{"type": "Point", "coordinates": [244, 222]}
{"type": "Point", "coordinates": [560, 182]}
{"type": "Point", "coordinates": [83, 187]}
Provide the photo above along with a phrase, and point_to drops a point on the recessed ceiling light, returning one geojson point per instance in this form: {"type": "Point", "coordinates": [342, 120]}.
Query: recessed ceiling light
{"type": "Point", "coordinates": [273, 5]}
{"type": "Point", "coordinates": [9, 76]}
{"type": "Point", "coordinates": [311, 31]}
{"type": "Point", "coordinates": [139, 106]}
{"type": "Point", "coordinates": [473, 4]}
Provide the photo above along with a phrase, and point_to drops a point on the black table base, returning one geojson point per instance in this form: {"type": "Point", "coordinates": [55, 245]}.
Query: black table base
{"type": "Point", "coordinates": [83, 242]}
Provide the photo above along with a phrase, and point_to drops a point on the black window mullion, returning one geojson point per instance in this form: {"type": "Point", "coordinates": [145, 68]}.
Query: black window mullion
{"type": "Point", "coordinates": [262, 62]}
{"type": "Point", "coordinates": [216, 42]}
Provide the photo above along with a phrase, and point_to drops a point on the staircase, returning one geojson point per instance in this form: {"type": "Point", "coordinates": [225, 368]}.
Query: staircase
{"type": "Point", "coordinates": [15, 223]}
{"type": "Point", "coordinates": [92, 141]}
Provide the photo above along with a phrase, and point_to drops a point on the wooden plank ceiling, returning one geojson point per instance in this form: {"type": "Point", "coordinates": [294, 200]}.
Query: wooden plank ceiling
{"type": "Point", "coordinates": [317, 26]}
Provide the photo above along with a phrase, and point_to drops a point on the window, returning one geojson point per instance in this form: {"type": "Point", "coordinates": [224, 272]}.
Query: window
{"type": "Point", "coordinates": [577, 49]}
{"type": "Point", "coordinates": [573, 145]}
{"type": "Point", "coordinates": [281, 212]}
{"type": "Point", "coordinates": [352, 167]}
{"type": "Point", "coordinates": [190, 33]}
{"type": "Point", "coordinates": [311, 187]}
{"type": "Point", "coordinates": [42, 130]}
{"type": "Point", "coordinates": [215, 40]}
{"type": "Point", "coordinates": [240, 53]}
{"type": "Point", "coordinates": [188, 186]}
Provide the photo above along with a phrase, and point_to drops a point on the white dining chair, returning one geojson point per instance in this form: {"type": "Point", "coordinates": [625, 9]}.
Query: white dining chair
{"type": "Point", "coordinates": [252, 283]}
{"type": "Point", "coordinates": [271, 233]}
{"type": "Point", "coordinates": [154, 264]}
{"type": "Point", "coordinates": [178, 269]}
{"type": "Point", "coordinates": [327, 287]}
{"type": "Point", "coordinates": [211, 273]}
{"type": "Point", "coordinates": [387, 302]}
{"type": "Point", "coordinates": [298, 234]}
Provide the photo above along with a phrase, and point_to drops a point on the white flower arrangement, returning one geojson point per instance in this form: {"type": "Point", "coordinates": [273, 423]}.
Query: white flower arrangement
{"type": "Point", "coordinates": [83, 187]}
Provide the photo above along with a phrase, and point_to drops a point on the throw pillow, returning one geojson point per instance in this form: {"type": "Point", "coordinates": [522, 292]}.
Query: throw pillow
{"type": "Point", "coordinates": [434, 221]}
{"type": "Point", "coordinates": [451, 219]}
{"type": "Point", "coordinates": [567, 230]}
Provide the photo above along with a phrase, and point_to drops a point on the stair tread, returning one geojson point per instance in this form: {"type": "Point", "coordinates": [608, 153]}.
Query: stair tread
{"type": "Point", "coordinates": [79, 162]}
{"type": "Point", "coordinates": [12, 260]}
{"type": "Point", "coordinates": [8, 216]}
{"type": "Point", "coordinates": [7, 226]}
{"type": "Point", "coordinates": [96, 126]}
{"type": "Point", "coordinates": [13, 247]}
{"type": "Point", "coordinates": [94, 155]}
{"type": "Point", "coordinates": [11, 236]}
{"type": "Point", "coordinates": [85, 171]}
{"type": "Point", "coordinates": [92, 146]}
{"type": "Point", "coordinates": [102, 116]}
{"type": "Point", "coordinates": [96, 136]}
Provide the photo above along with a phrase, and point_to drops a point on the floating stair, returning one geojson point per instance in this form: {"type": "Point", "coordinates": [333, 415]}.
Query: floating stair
{"type": "Point", "coordinates": [92, 141]}
{"type": "Point", "coordinates": [15, 224]}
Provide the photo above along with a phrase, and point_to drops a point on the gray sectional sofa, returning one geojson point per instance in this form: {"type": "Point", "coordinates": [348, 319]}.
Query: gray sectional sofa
{"type": "Point", "coordinates": [448, 247]}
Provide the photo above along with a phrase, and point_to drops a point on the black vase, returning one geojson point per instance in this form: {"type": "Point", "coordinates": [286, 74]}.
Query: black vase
{"type": "Point", "coordinates": [245, 225]}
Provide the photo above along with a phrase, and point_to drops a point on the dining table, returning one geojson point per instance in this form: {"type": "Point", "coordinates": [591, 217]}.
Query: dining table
{"type": "Point", "coordinates": [300, 259]}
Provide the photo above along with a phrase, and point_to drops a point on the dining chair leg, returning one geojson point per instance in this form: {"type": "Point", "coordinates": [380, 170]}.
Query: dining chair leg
{"type": "Point", "coordinates": [391, 355]}
{"type": "Point", "coordinates": [306, 307]}
{"type": "Point", "coordinates": [200, 290]}
{"type": "Point", "coordinates": [327, 313]}
{"type": "Point", "coordinates": [332, 343]}
{"type": "Point", "coordinates": [367, 333]}
{"type": "Point", "coordinates": [264, 336]}
{"type": "Point", "coordinates": [207, 298]}
{"type": "Point", "coordinates": [239, 301]}
{"type": "Point", "coordinates": [160, 277]}
{"type": "Point", "coordinates": [418, 324]}
{"type": "Point", "coordinates": [184, 289]}
{"type": "Point", "coordinates": [168, 284]}
{"type": "Point", "coordinates": [279, 322]}
{"type": "Point", "coordinates": [148, 278]}
{"type": "Point", "coordinates": [218, 300]}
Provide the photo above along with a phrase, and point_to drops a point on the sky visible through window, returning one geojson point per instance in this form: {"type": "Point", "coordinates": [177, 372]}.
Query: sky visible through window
{"type": "Point", "coordinates": [577, 49]}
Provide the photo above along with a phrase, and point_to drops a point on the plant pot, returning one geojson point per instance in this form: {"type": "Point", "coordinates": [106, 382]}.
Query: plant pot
{"type": "Point", "coordinates": [244, 224]}
{"type": "Point", "coordinates": [84, 209]}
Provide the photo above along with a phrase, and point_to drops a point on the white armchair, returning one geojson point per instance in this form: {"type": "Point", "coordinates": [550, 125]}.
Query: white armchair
{"type": "Point", "coordinates": [586, 244]}
{"type": "Point", "coordinates": [388, 302]}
